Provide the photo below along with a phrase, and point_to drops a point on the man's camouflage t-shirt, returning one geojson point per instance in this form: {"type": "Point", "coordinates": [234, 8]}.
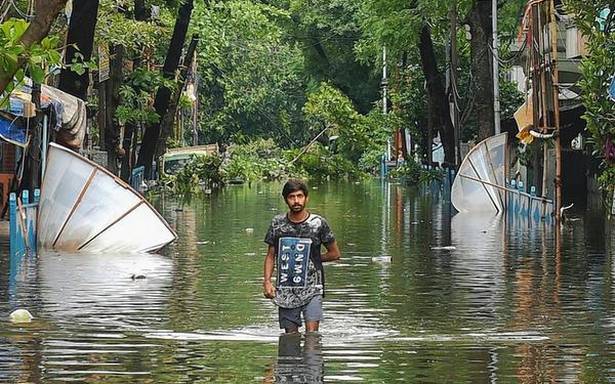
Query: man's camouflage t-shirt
{"type": "Point", "coordinates": [296, 246]}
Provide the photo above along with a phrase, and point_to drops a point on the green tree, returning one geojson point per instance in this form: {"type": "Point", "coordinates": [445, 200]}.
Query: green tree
{"type": "Point", "coordinates": [163, 94]}
{"type": "Point", "coordinates": [327, 32]}
{"type": "Point", "coordinates": [80, 42]}
{"type": "Point", "coordinates": [251, 77]}
{"type": "Point", "coordinates": [328, 109]}
{"type": "Point", "coordinates": [595, 19]}
{"type": "Point", "coordinates": [26, 45]}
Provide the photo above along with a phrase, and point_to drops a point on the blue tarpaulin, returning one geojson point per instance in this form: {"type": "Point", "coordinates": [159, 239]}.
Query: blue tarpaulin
{"type": "Point", "coordinates": [13, 132]}
{"type": "Point", "coordinates": [612, 89]}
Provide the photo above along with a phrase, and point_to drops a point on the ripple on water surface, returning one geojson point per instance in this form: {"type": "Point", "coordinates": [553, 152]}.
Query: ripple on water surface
{"type": "Point", "coordinates": [418, 297]}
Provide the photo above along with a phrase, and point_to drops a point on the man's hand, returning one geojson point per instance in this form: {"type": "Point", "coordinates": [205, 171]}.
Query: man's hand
{"type": "Point", "coordinates": [333, 252]}
{"type": "Point", "coordinates": [268, 289]}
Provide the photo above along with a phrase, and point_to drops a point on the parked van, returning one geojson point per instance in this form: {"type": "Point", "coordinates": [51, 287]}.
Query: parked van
{"type": "Point", "coordinates": [176, 158]}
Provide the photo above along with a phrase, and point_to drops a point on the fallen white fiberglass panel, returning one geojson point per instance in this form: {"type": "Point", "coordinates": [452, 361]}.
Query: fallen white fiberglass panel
{"type": "Point", "coordinates": [139, 231]}
{"type": "Point", "coordinates": [93, 213]}
{"type": "Point", "coordinates": [496, 149]}
{"type": "Point", "coordinates": [481, 160]}
{"type": "Point", "coordinates": [65, 177]}
{"type": "Point", "coordinates": [468, 195]}
{"type": "Point", "coordinates": [86, 200]}
{"type": "Point", "coordinates": [484, 170]}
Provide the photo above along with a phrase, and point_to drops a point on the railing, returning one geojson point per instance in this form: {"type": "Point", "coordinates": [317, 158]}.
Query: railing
{"type": "Point", "coordinates": [22, 229]}
{"type": "Point", "coordinates": [444, 185]}
{"type": "Point", "coordinates": [527, 206]}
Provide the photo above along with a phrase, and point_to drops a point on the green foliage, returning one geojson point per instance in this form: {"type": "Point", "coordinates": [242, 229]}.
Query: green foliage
{"type": "Point", "coordinates": [261, 160]}
{"type": "Point", "coordinates": [199, 172]}
{"type": "Point", "coordinates": [38, 57]}
{"type": "Point", "coordinates": [258, 160]}
{"type": "Point", "coordinates": [598, 68]}
{"type": "Point", "coordinates": [113, 27]}
{"type": "Point", "coordinates": [328, 108]}
{"type": "Point", "coordinates": [607, 178]}
{"type": "Point", "coordinates": [327, 32]}
{"type": "Point", "coordinates": [79, 65]}
{"type": "Point", "coordinates": [251, 78]}
{"type": "Point", "coordinates": [135, 92]}
{"type": "Point", "coordinates": [510, 98]}
{"type": "Point", "coordinates": [320, 163]}
{"type": "Point", "coordinates": [412, 173]}
{"type": "Point", "coordinates": [396, 24]}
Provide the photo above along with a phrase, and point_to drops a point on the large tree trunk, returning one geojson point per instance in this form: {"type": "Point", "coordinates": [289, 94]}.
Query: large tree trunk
{"type": "Point", "coordinates": [112, 92]}
{"type": "Point", "coordinates": [436, 96]}
{"type": "Point", "coordinates": [163, 95]}
{"type": "Point", "coordinates": [167, 122]}
{"type": "Point", "coordinates": [131, 129]}
{"type": "Point", "coordinates": [45, 12]}
{"type": "Point", "coordinates": [479, 20]}
{"type": "Point", "coordinates": [80, 39]}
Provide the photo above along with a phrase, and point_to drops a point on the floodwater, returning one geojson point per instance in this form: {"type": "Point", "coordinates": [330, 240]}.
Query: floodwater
{"type": "Point", "coordinates": [419, 297]}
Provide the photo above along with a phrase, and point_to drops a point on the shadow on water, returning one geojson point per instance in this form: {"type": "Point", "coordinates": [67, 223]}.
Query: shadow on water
{"type": "Point", "coordinates": [421, 296]}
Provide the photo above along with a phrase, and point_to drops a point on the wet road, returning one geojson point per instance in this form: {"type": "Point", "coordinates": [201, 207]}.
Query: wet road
{"type": "Point", "coordinates": [419, 297]}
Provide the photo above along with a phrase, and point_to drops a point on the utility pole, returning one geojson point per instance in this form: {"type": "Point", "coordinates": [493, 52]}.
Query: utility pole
{"type": "Point", "coordinates": [195, 104]}
{"type": "Point", "coordinates": [556, 118]}
{"type": "Point", "coordinates": [385, 84]}
{"type": "Point", "coordinates": [453, 82]}
{"type": "Point", "coordinates": [496, 69]}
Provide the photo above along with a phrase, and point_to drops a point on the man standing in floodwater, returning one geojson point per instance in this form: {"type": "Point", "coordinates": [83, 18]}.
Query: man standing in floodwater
{"type": "Point", "coordinates": [294, 240]}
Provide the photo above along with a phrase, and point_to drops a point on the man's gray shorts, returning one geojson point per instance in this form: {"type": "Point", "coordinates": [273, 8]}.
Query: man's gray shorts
{"type": "Point", "coordinates": [291, 317]}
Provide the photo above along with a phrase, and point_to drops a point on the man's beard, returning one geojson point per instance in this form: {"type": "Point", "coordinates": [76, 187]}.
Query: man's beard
{"type": "Point", "coordinates": [296, 208]}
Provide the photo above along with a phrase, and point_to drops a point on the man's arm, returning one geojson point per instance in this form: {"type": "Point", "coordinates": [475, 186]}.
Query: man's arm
{"type": "Point", "coordinates": [268, 288]}
{"type": "Point", "coordinates": [333, 252]}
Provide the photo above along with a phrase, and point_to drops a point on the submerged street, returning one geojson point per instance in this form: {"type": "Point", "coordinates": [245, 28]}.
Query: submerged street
{"type": "Point", "coordinates": [419, 296]}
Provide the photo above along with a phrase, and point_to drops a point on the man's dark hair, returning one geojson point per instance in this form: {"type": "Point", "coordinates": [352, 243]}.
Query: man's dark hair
{"type": "Point", "coordinates": [294, 185]}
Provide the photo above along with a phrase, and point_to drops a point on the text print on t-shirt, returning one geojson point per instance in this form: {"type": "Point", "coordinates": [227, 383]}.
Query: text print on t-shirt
{"type": "Point", "coordinates": [293, 256]}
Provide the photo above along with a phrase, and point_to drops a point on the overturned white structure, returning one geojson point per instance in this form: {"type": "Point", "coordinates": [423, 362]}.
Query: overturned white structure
{"type": "Point", "coordinates": [480, 182]}
{"type": "Point", "coordinates": [481, 187]}
{"type": "Point", "coordinates": [85, 208]}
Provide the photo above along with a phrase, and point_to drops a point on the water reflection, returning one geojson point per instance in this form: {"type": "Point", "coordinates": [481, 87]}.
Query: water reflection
{"type": "Point", "coordinates": [114, 291]}
{"type": "Point", "coordinates": [421, 296]}
{"type": "Point", "coordinates": [300, 360]}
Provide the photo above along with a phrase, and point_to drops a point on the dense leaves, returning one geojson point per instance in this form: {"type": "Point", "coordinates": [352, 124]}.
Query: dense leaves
{"type": "Point", "coordinates": [595, 19]}
{"type": "Point", "coordinates": [38, 56]}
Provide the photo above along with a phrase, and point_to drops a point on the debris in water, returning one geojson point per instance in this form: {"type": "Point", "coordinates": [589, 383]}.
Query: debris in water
{"type": "Point", "coordinates": [21, 316]}
{"type": "Point", "coordinates": [137, 277]}
{"type": "Point", "coordinates": [445, 248]}
{"type": "Point", "coordinates": [249, 230]}
{"type": "Point", "coordinates": [382, 259]}
{"type": "Point", "coordinates": [202, 242]}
